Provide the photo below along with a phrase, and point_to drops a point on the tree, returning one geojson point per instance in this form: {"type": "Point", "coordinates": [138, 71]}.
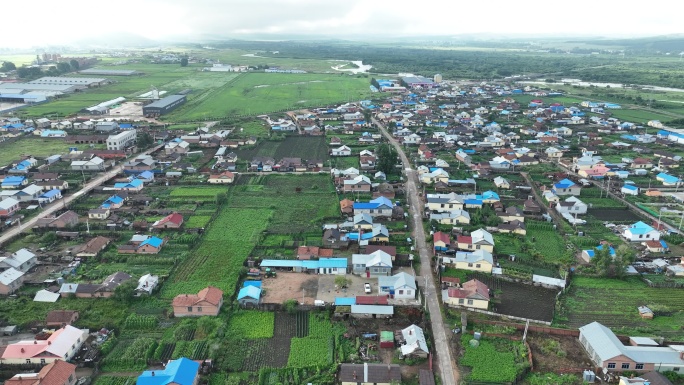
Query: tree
{"type": "Point", "coordinates": [125, 291]}
{"type": "Point", "coordinates": [624, 256]}
{"type": "Point", "coordinates": [387, 158]}
{"type": "Point", "coordinates": [602, 259]}
{"type": "Point", "coordinates": [63, 67]}
{"type": "Point", "coordinates": [7, 66]}
{"type": "Point", "coordinates": [290, 305]}
{"type": "Point", "coordinates": [184, 61]}
{"type": "Point", "coordinates": [145, 140]}
{"type": "Point", "coordinates": [342, 281]}
{"type": "Point", "coordinates": [74, 64]}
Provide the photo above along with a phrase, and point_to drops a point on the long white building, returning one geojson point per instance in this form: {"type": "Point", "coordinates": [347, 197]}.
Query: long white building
{"type": "Point", "coordinates": [121, 140]}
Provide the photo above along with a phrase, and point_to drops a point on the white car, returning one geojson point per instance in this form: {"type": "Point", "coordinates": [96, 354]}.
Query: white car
{"type": "Point", "coordinates": [367, 288]}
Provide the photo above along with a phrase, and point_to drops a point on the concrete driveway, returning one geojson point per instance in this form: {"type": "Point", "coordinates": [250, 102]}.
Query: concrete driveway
{"type": "Point", "coordinates": [327, 291]}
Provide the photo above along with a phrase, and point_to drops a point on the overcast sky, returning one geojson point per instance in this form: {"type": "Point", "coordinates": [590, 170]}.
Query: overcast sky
{"type": "Point", "coordinates": [59, 22]}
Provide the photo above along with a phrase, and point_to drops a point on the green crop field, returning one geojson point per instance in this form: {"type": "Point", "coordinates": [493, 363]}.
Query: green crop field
{"type": "Point", "coordinates": [260, 93]}
{"type": "Point", "coordinates": [305, 147]}
{"type": "Point", "coordinates": [639, 116]}
{"type": "Point", "coordinates": [614, 303]}
{"type": "Point", "coordinates": [38, 147]}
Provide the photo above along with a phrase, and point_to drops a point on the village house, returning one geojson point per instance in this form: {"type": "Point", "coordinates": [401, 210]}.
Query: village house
{"type": "Point", "coordinates": [377, 374]}
{"type": "Point", "coordinates": [511, 214]}
{"type": "Point", "coordinates": [640, 232]}
{"type": "Point", "coordinates": [142, 244]}
{"type": "Point", "coordinates": [444, 202]}
{"type": "Point", "coordinates": [479, 260]}
{"type": "Point", "coordinates": [376, 264]}
{"type": "Point", "coordinates": [250, 294]}
{"type": "Point", "coordinates": [60, 318]}
{"type": "Point", "coordinates": [378, 207]}
{"type": "Point", "coordinates": [478, 240]}
{"type": "Point", "coordinates": [414, 344]}
{"type": "Point", "coordinates": [89, 290]}
{"type": "Point", "coordinates": [566, 187]}
{"type": "Point", "coordinates": [182, 371]}
{"type": "Point", "coordinates": [10, 281]}
{"type": "Point", "coordinates": [572, 206]}
{"type": "Point", "coordinates": [171, 221]}
{"type": "Point", "coordinates": [333, 238]}
{"type": "Point", "coordinates": [8, 207]}
{"type": "Point", "coordinates": [456, 217]}
{"type": "Point", "coordinates": [207, 302]}
{"type": "Point", "coordinates": [57, 372]}
{"type": "Point", "coordinates": [359, 184]}
{"type": "Point", "coordinates": [22, 260]}
{"type": "Point", "coordinates": [473, 294]}
{"type": "Point", "coordinates": [225, 177]}
{"type": "Point", "coordinates": [146, 284]}
{"type": "Point", "coordinates": [62, 344]}
{"type": "Point", "coordinates": [341, 151]}
{"type": "Point", "coordinates": [92, 248]}
{"type": "Point", "coordinates": [399, 286]}
{"type": "Point", "coordinates": [643, 354]}
{"type": "Point", "coordinates": [65, 220]}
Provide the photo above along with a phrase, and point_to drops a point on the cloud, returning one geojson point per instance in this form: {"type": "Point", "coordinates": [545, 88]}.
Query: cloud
{"type": "Point", "coordinates": [59, 22]}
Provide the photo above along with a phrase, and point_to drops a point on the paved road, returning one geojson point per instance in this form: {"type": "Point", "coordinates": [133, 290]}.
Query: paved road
{"type": "Point", "coordinates": [448, 369]}
{"type": "Point", "coordinates": [59, 204]}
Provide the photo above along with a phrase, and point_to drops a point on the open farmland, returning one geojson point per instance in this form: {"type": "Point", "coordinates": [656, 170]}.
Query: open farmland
{"type": "Point", "coordinates": [221, 254]}
{"type": "Point", "coordinates": [305, 147]}
{"type": "Point", "coordinates": [31, 145]}
{"type": "Point", "coordinates": [300, 203]}
{"type": "Point", "coordinates": [520, 300]}
{"type": "Point", "coordinates": [614, 303]}
{"type": "Point", "coordinates": [260, 93]}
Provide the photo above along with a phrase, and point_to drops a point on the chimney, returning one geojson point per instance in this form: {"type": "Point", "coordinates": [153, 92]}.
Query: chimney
{"type": "Point", "coordinates": [49, 342]}
{"type": "Point", "coordinates": [35, 342]}
{"type": "Point", "coordinates": [22, 350]}
{"type": "Point", "coordinates": [153, 373]}
{"type": "Point", "coordinates": [365, 372]}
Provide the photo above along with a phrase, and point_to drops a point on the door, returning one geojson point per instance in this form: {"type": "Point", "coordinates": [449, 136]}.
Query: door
{"type": "Point", "coordinates": [367, 273]}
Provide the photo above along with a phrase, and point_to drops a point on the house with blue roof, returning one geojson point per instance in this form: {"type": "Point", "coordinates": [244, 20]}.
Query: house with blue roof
{"type": "Point", "coordinates": [151, 245]}
{"type": "Point", "coordinates": [641, 232]}
{"type": "Point", "coordinates": [24, 166]}
{"type": "Point", "coordinates": [49, 196]}
{"type": "Point", "coordinates": [249, 295]}
{"type": "Point", "coordinates": [378, 207]}
{"type": "Point", "coordinates": [113, 202]}
{"type": "Point", "coordinates": [668, 180]}
{"type": "Point", "coordinates": [182, 371]}
{"type": "Point", "coordinates": [567, 187]}
{"type": "Point", "coordinates": [629, 189]}
{"type": "Point", "coordinates": [134, 185]}
{"type": "Point", "coordinates": [345, 301]}
{"type": "Point", "coordinates": [145, 176]}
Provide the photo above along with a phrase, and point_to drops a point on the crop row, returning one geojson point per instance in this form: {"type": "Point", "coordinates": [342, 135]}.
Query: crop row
{"type": "Point", "coordinates": [140, 322]}
{"type": "Point", "coordinates": [194, 350]}
{"type": "Point", "coordinates": [111, 380]}
{"type": "Point", "coordinates": [252, 324]}
{"type": "Point", "coordinates": [309, 351]}
{"type": "Point", "coordinates": [130, 357]}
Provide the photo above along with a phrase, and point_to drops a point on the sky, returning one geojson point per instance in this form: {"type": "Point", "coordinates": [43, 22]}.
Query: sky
{"type": "Point", "coordinates": [65, 22]}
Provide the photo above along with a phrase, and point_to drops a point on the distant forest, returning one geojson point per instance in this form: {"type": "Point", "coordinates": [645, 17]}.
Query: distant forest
{"type": "Point", "coordinates": [483, 64]}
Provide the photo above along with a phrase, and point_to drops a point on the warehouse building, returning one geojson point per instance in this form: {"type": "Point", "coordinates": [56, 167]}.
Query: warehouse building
{"type": "Point", "coordinates": [106, 72]}
{"type": "Point", "coordinates": [78, 82]}
{"type": "Point", "coordinates": [46, 89]}
{"type": "Point", "coordinates": [417, 81]}
{"type": "Point", "coordinates": [121, 140]}
{"type": "Point", "coordinates": [163, 106]}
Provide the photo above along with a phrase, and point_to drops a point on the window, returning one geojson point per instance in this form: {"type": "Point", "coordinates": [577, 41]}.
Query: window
{"type": "Point", "coordinates": [611, 365]}
{"type": "Point", "coordinates": [639, 366]}
{"type": "Point", "coordinates": [199, 309]}
{"type": "Point", "coordinates": [625, 365]}
{"type": "Point", "coordinates": [478, 265]}
{"type": "Point", "coordinates": [401, 292]}
{"type": "Point", "coordinates": [408, 292]}
{"type": "Point", "coordinates": [470, 265]}
{"type": "Point", "coordinates": [189, 309]}
{"type": "Point", "coordinates": [675, 369]}
{"type": "Point", "coordinates": [470, 302]}
{"type": "Point", "coordinates": [641, 236]}
{"type": "Point", "coordinates": [28, 360]}
{"type": "Point", "coordinates": [461, 301]}
{"type": "Point", "coordinates": [42, 361]}
{"type": "Point", "coordinates": [477, 247]}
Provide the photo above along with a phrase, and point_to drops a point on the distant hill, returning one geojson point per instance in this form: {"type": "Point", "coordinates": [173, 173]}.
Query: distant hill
{"type": "Point", "coordinates": [668, 43]}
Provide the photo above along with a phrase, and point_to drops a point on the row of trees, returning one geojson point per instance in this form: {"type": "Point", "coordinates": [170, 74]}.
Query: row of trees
{"type": "Point", "coordinates": [26, 72]}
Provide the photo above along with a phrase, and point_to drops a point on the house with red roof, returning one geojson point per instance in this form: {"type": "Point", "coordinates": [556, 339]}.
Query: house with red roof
{"type": "Point", "coordinates": [441, 241]}
{"type": "Point", "coordinates": [57, 372]}
{"type": "Point", "coordinates": [171, 221]}
{"type": "Point", "coordinates": [473, 294]}
{"type": "Point", "coordinates": [62, 344]}
{"type": "Point", "coordinates": [207, 302]}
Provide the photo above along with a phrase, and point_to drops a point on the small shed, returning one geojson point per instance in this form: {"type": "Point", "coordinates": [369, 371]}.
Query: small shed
{"type": "Point", "coordinates": [249, 296]}
{"type": "Point", "coordinates": [9, 330]}
{"type": "Point", "coordinates": [386, 339]}
{"type": "Point", "coordinates": [645, 312]}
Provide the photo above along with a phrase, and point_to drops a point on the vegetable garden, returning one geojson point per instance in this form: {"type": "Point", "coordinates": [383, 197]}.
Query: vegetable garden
{"type": "Point", "coordinates": [508, 357]}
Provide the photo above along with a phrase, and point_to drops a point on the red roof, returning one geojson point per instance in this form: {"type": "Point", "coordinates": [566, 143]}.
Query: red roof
{"type": "Point", "coordinates": [174, 218]}
{"type": "Point", "coordinates": [464, 239]}
{"type": "Point", "coordinates": [451, 279]}
{"type": "Point", "coordinates": [441, 237]}
{"type": "Point", "coordinates": [654, 244]}
{"type": "Point", "coordinates": [458, 293]}
{"type": "Point", "coordinates": [391, 250]}
{"type": "Point", "coordinates": [210, 294]}
{"type": "Point", "coordinates": [478, 287]}
{"type": "Point", "coordinates": [306, 252]}
{"type": "Point", "coordinates": [371, 300]}
{"type": "Point", "coordinates": [325, 253]}
{"type": "Point", "coordinates": [55, 373]}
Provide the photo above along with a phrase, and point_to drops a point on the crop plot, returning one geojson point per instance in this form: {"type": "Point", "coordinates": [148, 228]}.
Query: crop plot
{"type": "Point", "coordinates": [305, 147]}
{"type": "Point", "coordinates": [252, 324]}
{"type": "Point", "coordinates": [521, 300]}
{"type": "Point", "coordinates": [613, 215]}
{"type": "Point", "coordinates": [508, 357]}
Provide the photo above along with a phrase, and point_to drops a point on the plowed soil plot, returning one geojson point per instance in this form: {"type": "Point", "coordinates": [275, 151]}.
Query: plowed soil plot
{"type": "Point", "coordinates": [520, 300]}
{"type": "Point", "coordinates": [618, 215]}
{"type": "Point", "coordinates": [556, 353]}
{"type": "Point", "coordinates": [266, 352]}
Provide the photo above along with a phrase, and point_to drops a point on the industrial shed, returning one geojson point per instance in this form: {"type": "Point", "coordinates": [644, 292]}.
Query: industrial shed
{"type": "Point", "coordinates": [164, 106]}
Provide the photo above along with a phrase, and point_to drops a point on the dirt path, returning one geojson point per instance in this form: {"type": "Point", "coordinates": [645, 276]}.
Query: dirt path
{"type": "Point", "coordinates": [447, 368]}
{"type": "Point", "coordinates": [554, 214]}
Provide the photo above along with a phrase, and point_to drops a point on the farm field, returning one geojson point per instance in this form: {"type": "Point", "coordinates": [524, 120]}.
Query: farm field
{"type": "Point", "coordinates": [520, 300]}
{"type": "Point", "coordinates": [509, 357]}
{"type": "Point", "coordinates": [262, 93]}
{"type": "Point", "coordinates": [38, 147]}
{"type": "Point", "coordinates": [614, 303]}
{"type": "Point", "coordinates": [289, 196]}
{"type": "Point", "coordinates": [305, 147]}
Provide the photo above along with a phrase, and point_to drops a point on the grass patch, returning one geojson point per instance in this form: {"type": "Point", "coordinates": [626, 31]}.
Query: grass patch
{"type": "Point", "coordinates": [252, 324]}
{"type": "Point", "coordinates": [38, 147]}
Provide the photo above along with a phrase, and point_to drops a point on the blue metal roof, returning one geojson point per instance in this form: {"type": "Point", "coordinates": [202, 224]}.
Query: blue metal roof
{"type": "Point", "coordinates": [630, 187]}
{"type": "Point", "coordinates": [313, 264]}
{"type": "Point", "coordinates": [345, 301]}
{"type": "Point", "coordinates": [152, 241]}
{"type": "Point", "coordinates": [252, 283]}
{"type": "Point", "coordinates": [249, 291]}
{"type": "Point", "coordinates": [182, 371]}
{"type": "Point", "coordinates": [365, 206]}
{"type": "Point", "coordinates": [51, 193]}
{"type": "Point", "coordinates": [340, 263]}
{"type": "Point", "coordinates": [472, 201]}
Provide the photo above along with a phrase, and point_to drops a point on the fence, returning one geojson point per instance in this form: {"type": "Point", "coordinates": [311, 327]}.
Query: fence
{"type": "Point", "coordinates": [533, 328]}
